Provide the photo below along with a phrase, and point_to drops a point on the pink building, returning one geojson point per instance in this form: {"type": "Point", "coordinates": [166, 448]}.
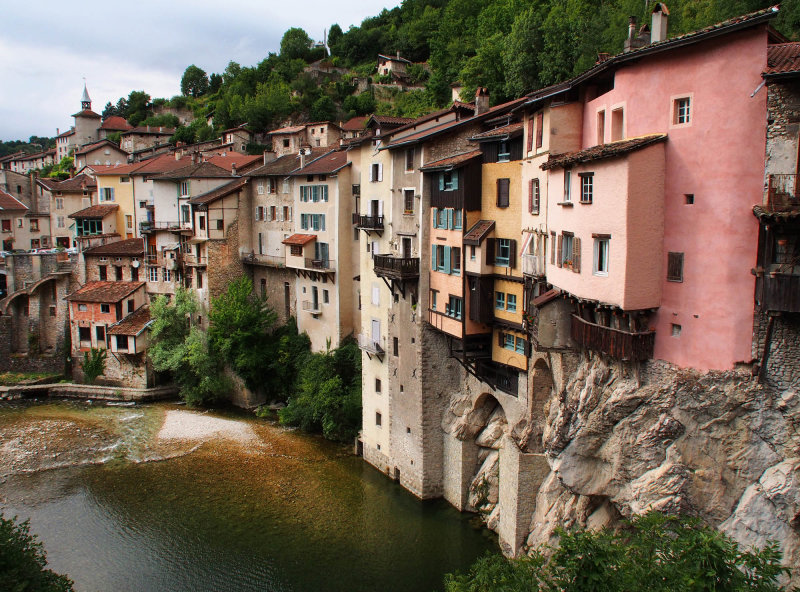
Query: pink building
{"type": "Point", "coordinates": [662, 231]}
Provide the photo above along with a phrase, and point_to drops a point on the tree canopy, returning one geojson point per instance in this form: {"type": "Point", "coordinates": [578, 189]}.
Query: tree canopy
{"type": "Point", "coordinates": [194, 81]}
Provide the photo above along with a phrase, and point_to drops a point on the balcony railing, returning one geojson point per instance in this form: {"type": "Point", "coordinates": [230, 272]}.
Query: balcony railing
{"type": "Point", "coordinates": [617, 343]}
{"type": "Point", "coordinates": [783, 192]}
{"type": "Point", "coordinates": [312, 307]}
{"type": "Point", "coordinates": [320, 264]}
{"type": "Point", "coordinates": [266, 260]}
{"type": "Point", "coordinates": [533, 265]}
{"type": "Point", "coordinates": [396, 268]}
{"type": "Point", "coordinates": [194, 260]}
{"type": "Point", "coordinates": [150, 226]}
{"type": "Point", "coordinates": [369, 345]}
{"type": "Point", "coordinates": [779, 291]}
{"type": "Point", "coordinates": [368, 222]}
{"type": "Point", "coordinates": [501, 377]}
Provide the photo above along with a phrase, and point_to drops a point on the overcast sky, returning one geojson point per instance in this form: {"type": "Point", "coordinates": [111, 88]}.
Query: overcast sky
{"type": "Point", "coordinates": [47, 47]}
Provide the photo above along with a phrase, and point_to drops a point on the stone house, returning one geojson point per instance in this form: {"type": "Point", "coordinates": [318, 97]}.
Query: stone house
{"type": "Point", "coordinates": [290, 140]}
{"type": "Point", "coordinates": [145, 137]}
{"type": "Point", "coordinates": [25, 163]}
{"type": "Point", "coordinates": [238, 138]}
{"type": "Point", "coordinates": [65, 198]}
{"type": "Point", "coordinates": [120, 261]}
{"type": "Point", "coordinates": [12, 222]}
{"type": "Point", "coordinates": [392, 65]}
{"type": "Point", "coordinates": [101, 152]}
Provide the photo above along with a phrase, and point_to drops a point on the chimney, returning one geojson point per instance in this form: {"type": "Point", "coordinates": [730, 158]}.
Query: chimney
{"type": "Point", "coordinates": [269, 156]}
{"type": "Point", "coordinates": [658, 28]}
{"type": "Point", "coordinates": [634, 40]}
{"type": "Point", "coordinates": [398, 54]}
{"type": "Point", "coordinates": [302, 157]}
{"type": "Point", "coordinates": [233, 169]}
{"type": "Point", "coordinates": [631, 35]}
{"type": "Point", "coordinates": [481, 100]}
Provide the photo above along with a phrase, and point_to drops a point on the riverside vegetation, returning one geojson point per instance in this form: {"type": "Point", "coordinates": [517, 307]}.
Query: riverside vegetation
{"type": "Point", "coordinates": [323, 390]}
{"type": "Point", "coordinates": [23, 561]}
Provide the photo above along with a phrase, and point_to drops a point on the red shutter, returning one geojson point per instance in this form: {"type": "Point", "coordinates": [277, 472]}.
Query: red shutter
{"type": "Point", "coordinates": [559, 255]}
{"type": "Point", "coordinates": [530, 196]}
{"type": "Point", "coordinates": [553, 248]}
{"type": "Point", "coordinates": [530, 134]}
{"type": "Point", "coordinates": [539, 129]}
{"type": "Point", "coordinates": [576, 254]}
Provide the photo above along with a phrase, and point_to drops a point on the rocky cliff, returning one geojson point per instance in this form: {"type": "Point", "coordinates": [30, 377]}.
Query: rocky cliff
{"type": "Point", "coordinates": [622, 439]}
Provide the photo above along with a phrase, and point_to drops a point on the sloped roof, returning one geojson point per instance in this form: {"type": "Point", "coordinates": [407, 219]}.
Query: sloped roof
{"type": "Point", "coordinates": [35, 155]}
{"type": "Point", "coordinates": [783, 59]}
{"type": "Point", "coordinates": [284, 165]}
{"type": "Point", "coordinates": [478, 232]}
{"type": "Point", "coordinates": [293, 129]}
{"type": "Point", "coordinates": [150, 129]}
{"type": "Point", "coordinates": [394, 59]}
{"type": "Point", "coordinates": [511, 130]}
{"type": "Point", "coordinates": [69, 132]}
{"type": "Point", "coordinates": [602, 151]}
{"type": "Point", "coordinates": [548, 296]}
{"type": "Point", "coordinates": [73, 184]}
{"type": "Point", "coordinates": [299, 239]}
{"type": "Point", "coordinates": [243, 162]}
{"type": "Point", "coordinates": [324, 165]}
{"type": "Point", "coordinates": [450, 162]}
{"type": "Point", "coordinates": [94, 145]}
{"type": "Point", "coordinates": [115, 123]}
{"type": "Point", "coordinates": [95, 211]}
{"type": "Point", "coordinates": [220, 192]}
{"type": "Point", "coordinates": [9, 203]}
{"type": "Point", "coordinates": [104, 291]}
{"type": "Point", "coordinates": [131, 247]}
{"type": "Point", "coordinates": [133, 324]}
{"type": "Point", "coordinates": [201, 170]}
{"type": "Point", "coordinates": [355, 124]}
{"type": "Point", "coordinates": [87, 113]}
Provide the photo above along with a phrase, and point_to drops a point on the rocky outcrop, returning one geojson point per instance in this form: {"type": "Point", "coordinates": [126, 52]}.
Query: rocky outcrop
{"type": "Point", "coordinates": [621, 440]}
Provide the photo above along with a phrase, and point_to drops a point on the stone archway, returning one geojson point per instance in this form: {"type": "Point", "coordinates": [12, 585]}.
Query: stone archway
{"type": "Point", "coordinates": [490, 426]}
{"type": "Point", "coordinates": [540, 392]}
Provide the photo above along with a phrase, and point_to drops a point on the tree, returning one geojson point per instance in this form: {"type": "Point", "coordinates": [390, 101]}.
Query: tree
{"type": "Point", "coordinates": [334, 35]}
{"type": "Point", "coordinates": [323, 109]}
{"type": "Point", "coordinates": [519, 53]}
{"type": "Point", "coordinates": [295, 44]}
{"type": "Point", "coordinates": [23, 563]}
{"type": "Point", "coordinates": [194, 82]}
{"type": "Point", "coordinates": [214, 83]}
{"type": "Point", "coordinates": [137, 107]}
{"type": "Point", "coordinates": [93, 364]}
{"type": "Point", "coordinates": [654, 552]}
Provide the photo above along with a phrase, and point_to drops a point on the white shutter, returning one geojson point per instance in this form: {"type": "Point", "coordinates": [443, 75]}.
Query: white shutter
{"type": "Point", "coordinates": [376, 295]}
{"type": "Point", "coordinates": [380, 208]}
{"type": "Point", "coordinates": [380, 172]}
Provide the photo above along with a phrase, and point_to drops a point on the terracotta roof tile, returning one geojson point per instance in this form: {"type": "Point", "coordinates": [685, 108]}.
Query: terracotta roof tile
{"type": "Point", "coordinates": [220, 192]}
{"type": "Point", "coordinates": [478, 232]}
{"type": "Point", "coordinates": [284, 165]}
{"type": "Point", "coordinates": [95, 211]}
{"type": "Point", "coordinates": [293, 129]}
{"type": "Point", "coordinates": [355, 124]}
{"type": "Point", "coordinates": [133, 324]}
{"type": "Point", "coordinates": [131, 247]}
{"type": "Point", "coordinates": [324, 165]}
{"type": "Point", "coordinates": [69, 132]}
{"type": "Point", "coordinates": [511, 130]}
{"type": "Point", "coordinates": [783, 59]}
{"type": "Point", "coordinates": [9, 203]}
{"type": "Point", "coordinates": [87, 113]}
{"type": "Point", "coordinates": [115, 123]}
{"type": "Point", "coordinates": [104, 291]}
{"type": "Point", "coordinates": [602, 151]}
{"type": "Point", "coordinates": [243, 162]}
{"type": "Point", "coordinates": [94, 145]}
{"type": "Point", "coordinates": [450, 161]}
{"type": "Point", "coordinates": [74, 184]}
{"type": "Point", "coordinates": [150, 129]}
{"type": "Point", "coordinates": [201, 170]}
{"type": "Point", "coordinates": [299, 239]}
{"type": "Point", "coordinates": [548, 296]}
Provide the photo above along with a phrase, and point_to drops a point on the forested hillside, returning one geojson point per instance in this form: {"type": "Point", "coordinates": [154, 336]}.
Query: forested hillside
{"type": "Point", "coordinates": [509, 46]}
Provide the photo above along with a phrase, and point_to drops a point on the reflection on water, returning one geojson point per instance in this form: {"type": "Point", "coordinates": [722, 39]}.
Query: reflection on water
{"type": "Point", "coordinates": [282, 512]}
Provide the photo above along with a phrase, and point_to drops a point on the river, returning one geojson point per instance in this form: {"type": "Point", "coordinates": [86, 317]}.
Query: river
{"type": "Point", "coordinates": [162, 498]}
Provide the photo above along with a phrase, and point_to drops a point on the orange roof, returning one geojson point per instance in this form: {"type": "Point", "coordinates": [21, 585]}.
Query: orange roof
{"type": "Point", "coordinates": [95, 211]}
{"type": "Point", "coordinates": [104, 291]}
{"type": "Point", "coordinates": [116, 123]}
{"type": "Point", "coordinates": [10, 203]}
{"type": "Point", "coordinates": [299, 239]}
{"type": "Point", "coordinates": [133, 324]}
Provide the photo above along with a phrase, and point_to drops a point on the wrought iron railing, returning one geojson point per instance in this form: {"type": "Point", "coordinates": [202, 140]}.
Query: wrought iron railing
{"type": "Point", "coordinates": [369, 345]}
{"type": "Point", "coordinates": [368, 222]}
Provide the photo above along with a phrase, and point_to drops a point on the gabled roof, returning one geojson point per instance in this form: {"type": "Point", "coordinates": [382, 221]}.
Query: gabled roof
{"type": "Point", "coordinates": [158, 164]}
{"type": "Point", "coordinates": [355, 124]}
{"type": "Point", "coordinates": [243, 162]}
{"type": "Point", "coordinates": [394, 59]}
{"type": "Point", "coordinates": [133, 324]}
{"type": "Point", "coordinates": [69, 132]}
{"type": "Point", "coordinates": [220, 192]}
{"type": "Point", "coordinates": [284, 165]}
{"type": "Point", "coordinates": [783, 59]}
{"type": "Point", "coordinates": [87, 113]}
{"type": "Point", "coordinates": [9, 203]}
{"type": "Point", "coordinates": [735, 24]}
{"type": "Point", "coordinates": [115, 123]}
{"type": "Point", "coordinates": [94, 145]}
{"type": "Point", "coordinates": [131, 247]}
{"type": "Point", "coordinates": [71, 185]}
{"type": "Point", "coordinates": [35, 155]}
{"type": "Point", "coordinates": [478, 232]}
{"type": "Point", "coordinates": [95, 211]}
{"type": "Point", "coordinates": [457, 106]}
{"type": "Point", "coordinates": [450, 162]}
{"type": "Point", "coordinates": [324, 165]}
{"type": "Point", "coordinates": [104, 291]}
{"type": "Point", "coordinates": [602, 151]}
{"type": "Point", "coordinates": [201, 170]}
{"type": "Point", "coordinates": [511, 130]}
{"type": "Point", "coordinates": [299, 240]}
{"type": "Point", "coordinates": [293, 129]}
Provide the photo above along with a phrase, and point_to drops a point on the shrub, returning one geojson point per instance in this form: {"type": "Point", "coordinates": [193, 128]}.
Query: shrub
{"type": "Point", "coordinates": [94, 364]}
{"type": "Point", "coordinates": [23, 561]}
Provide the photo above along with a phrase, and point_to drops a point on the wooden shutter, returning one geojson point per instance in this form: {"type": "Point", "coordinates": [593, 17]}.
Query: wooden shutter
{"type": "Point", "coordinates": [675, 267]}
{"type": "Point", "coordinates": [435, 217]}
{"type": "Point", "coordinates": [447, 259]}
{"type": "Point", "coordinates": [489, 251]}
{"type": "Point", "coordinates": [530, 194]}
{"type": "Point", "coordinates": [560, 254]}
{"type": "Point", "coordinates": [539, 129]}
{"type": "Point", "coordinates": [512, 255]}
{"type": "Point", "coordinates": [500, 338]}
{"type": "Point", "coordinates": [553, 248]}
{"type": "Point", "coordinates": [433, 257]}
{"type": "Point", "coordinates": [530, 134]}
{"type": "Point", "coordinates": [502, 192]}
{"type": "Point", "coordinates": [576, 254]}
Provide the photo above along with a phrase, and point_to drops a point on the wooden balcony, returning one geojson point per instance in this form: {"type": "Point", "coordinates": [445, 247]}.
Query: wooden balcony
{"type": "Point", "coordinates": [783, 193]}
{"type": "Point", "coordinates": [779, 291]}
{"type": "Point", "coordinates": [500, 377]}
{"type": "Point", "coordinates": [368, 222]}
{"type": "Point", "coordinates": [151, 226]}
{"type": "Point", "coordinates": [616, 343]}
{"type": "Point", "coordinates": [396, 268]}
{"type": "Point", "coordinates": [193, 260]}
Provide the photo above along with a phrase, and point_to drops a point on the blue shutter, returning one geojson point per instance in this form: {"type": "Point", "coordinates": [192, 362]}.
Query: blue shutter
{"type": "Point", "coordinates": [322, 222]}
{"type": "Point", "coordinates": [324, 193]}
{"type": "Point", "coordinates": [455, 180]}
{"type": "Point", "coordinates": [450, 218]}
{"type": "Point", "coordinates": [435, 217]}
{"type": "Point", "coordinates": [433, 257]}
{"type": "Point", "coordinates": [447, 259]}
{"type": "Point", "coordinates": [441, 181]}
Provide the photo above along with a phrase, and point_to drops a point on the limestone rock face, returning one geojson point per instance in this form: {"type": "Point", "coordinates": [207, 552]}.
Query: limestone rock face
{"type": "Point", "coordinates": [622, 440]}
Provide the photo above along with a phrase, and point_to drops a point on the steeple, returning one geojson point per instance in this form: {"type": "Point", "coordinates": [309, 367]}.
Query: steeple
{"type": "Point", "coordinates": [86, 102]}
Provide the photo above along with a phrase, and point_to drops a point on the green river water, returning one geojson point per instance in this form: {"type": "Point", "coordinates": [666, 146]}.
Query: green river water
{"type": "Point", "coordinates": [122, 503]}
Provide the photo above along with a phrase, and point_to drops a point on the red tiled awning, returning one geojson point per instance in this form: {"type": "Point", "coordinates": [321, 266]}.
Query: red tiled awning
{"type": "Point", "coordinates": [299, 239]}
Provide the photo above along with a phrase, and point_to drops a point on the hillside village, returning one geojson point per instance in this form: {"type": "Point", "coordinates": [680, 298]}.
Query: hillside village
{"type": "Point", "coordinates": [539, 288]}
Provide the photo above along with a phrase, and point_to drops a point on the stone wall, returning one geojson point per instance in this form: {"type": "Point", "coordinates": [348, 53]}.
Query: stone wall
{"type": "Point", "coordinates": [782, 369]}
{"type": "Point", "coordinates": [224, 262]}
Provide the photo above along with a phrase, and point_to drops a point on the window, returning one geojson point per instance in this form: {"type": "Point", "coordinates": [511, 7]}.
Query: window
{"type": "Point", "coordinates": [567, 186]}
{"type": "Point", "coordinates": [34, 225]}
{"type": "Point", "coordinates": [503, 255]}
{"type": "Point", "coordinates": [455, 260]}
{"type": "Point", "coordinates": [378, 418]}
{"type": "Point", "coordinates": [85, 335]}
{"type": "Point", "coordinates": [676, 330]}
{"type": "Point", "coordinates": [601, 127]}
{"type": "Point", "coordinates": [531, 123]}
{"type": "Point", "coordinates": [376, 172]}
{"type": "Point", "coordinates": [377, 385]}
{"type": "Point", "coordinates": [105, 308]}
{"type": "Point", "coordinates": [457, 220]}
{"type": "Point", "coordinates": [520, 347]}
{"type": "Point", "coordinates": [6, 225]}
{"type": "Point", "coordinates": [153, 274]}
{"type": "Point", "coordinates": [325, 297]}
{"type": "Point", "coordinates": [166, 274]}
{"type": "Point", "coordinates": [395, 346]}
{"type": "Point", "coordinates": [689, 197]}
{"type": "Point", "coordinates": [122, 342]}
{"type": "Point", "coordinates": [19, 222]}
{"type": "Point", "coordinates": [296, 250]}
{"type": "Point", "coordinates": [199, 279]}
{"type": "Point", "coordinates": [61, 222]}
{"type": "Point", "coordinates": [569, 252]}
{"type": "Point", "coordinates": [287, 213]}
{"type": "Point", "coordinates": [286, 142]}
{"type": "Point", "coordinates": [540, 129]}
{"type": "Point", "coordinates": [59, 203]}
{"type": "Point", "coordinates": [259, 213]}
{"type": "Point", "coordinates": [674, 267]}
{"type": "Point", "coordinates": [273, 214]}
{"type": "Point", "coordinates": [184, 188]}
{"type": "Point", "coordinates": [601, 244]}
{"type": "Point", "coordinates": [617, 124]}
{"type": "Point", "coordinates": [260, 188]}
{"type": "Point", "coordinates": [434, 298]}
{"type": "Point", "coordinates": [503, 152]}
{"type": "Point", "coordinates": [533, 196]}
{"type": "Point", "coordinates": [500, 300]}
{"type": "Point", "coordinates": [448, 181]}
{"type": "Point", "coordinates": [88, 226]}
{"type": "Point", "coordinates": [202, 221]}
{"type": "Point", "coordinates": [103, 273]}
{"type": "Point", "coordinates": [681, 111]}
{"type": "Point", "coordinates": [587, 187]}
{"type": "Point", "coordinates": [408, 201]}
{"type": "Point", "coordinates": [130, 305]}
{"type": "Point", "coordinates": [472, 252]}
{"type": "Point", "coordinates": [502, 192]}
{"type": "Point", "coordinates": [409, 159]}
{"type": "Point", "coordinates": [511, 302]}
{"type": "Point", "coordinates": [566, 250]}
{"type": "Point", "coordinates": [107, 194]}
{"type": "Point", "coordinates": [129, 221]}
{"type": "Point", "coordinates": [185, 214]}
{"type": "Point", "coordinates": [83, 308]}
{"type": "Point", "coordinates": [454, 307]}
{"type": "Point", "coordinates": [285, 187]}
{"type": "Point", "coordinates": [508, 341]}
